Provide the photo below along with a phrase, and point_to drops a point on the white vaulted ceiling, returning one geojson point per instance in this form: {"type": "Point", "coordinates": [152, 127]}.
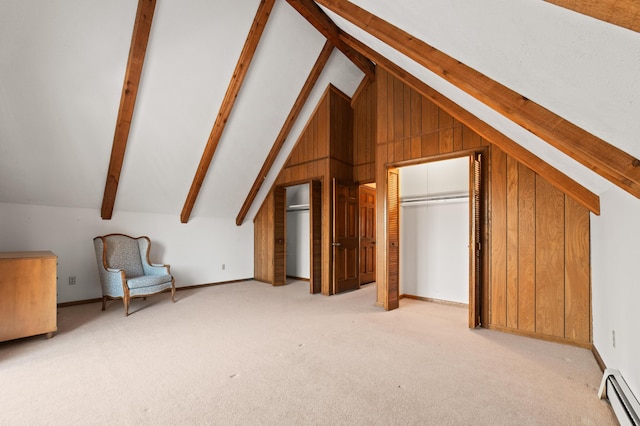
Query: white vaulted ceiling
{"type": "Point", "coordinates": [62, 64]}
{"type": "Point", "coordinates": [582, 69]}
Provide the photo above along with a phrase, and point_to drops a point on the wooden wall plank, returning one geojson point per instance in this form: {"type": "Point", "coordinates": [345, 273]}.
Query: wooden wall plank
{"type": "Point", "coordinates": [498, 292]}
{"type": "Point", "coordinates": [416, 124]}
{"type": "Point", "coordinates": [526, 249]}
{"type": "Point", "coordinates": [512, 243]}
{"type": "Point", "coordinates": [398, 109]}
{"type": "Point", "coordinates": [550, 257]}
{"type": "Point", "coordinates": [577, 279]}
{"type": "Point", "coordinates": [263, 241]}
{"type": "Point", "coordinates": [382, 105]}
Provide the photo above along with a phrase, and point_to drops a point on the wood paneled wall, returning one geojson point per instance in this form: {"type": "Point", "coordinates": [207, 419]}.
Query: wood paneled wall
{"type": "Point", "coordinates": [323, 151]}
{"type": "Point", "coordinates": [264, 241]}
{"type": "Point", "coordinates": [409, 127]}
{"type": "Point", "coordinates": [537, 237]}
{"type": "Point", "coordinates": [540, 273]}
{"type": "Point", "coordinates": [364, 135]}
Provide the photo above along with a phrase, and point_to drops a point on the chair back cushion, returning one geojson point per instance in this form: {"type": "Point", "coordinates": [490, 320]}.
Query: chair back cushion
{"type": "Point", "coordinates": [122, 252]}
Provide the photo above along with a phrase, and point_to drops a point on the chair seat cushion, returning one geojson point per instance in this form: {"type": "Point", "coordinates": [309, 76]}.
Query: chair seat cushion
{"type": "Point", "coordinates": [147, 281]}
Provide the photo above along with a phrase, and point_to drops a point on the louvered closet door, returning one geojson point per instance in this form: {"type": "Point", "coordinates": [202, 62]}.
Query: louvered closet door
{"type": "Point", "coordinates": [475, 241]}
{"type": "Point", "coordinates": [279, 236]}
{"type": "Point", "coordinates": [392, 296]}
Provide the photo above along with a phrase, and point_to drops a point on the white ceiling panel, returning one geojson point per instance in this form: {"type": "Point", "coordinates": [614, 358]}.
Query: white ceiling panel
{"type": "Point", "coordinates": [62, 64]}
{"type": "Point", "coordinates": [583, 69]}
{"type": "Point", "coordinates": [193, 49]}
{"type": "Point", "coordinates": [534, 144]}
{"type": "Point", "coordinates": [286, 54]}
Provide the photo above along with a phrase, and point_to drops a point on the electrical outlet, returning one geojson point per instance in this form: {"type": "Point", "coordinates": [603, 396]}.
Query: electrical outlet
{"type": "Point", "coordinates": [72, 280]}
{"type": "Point", "coordinates": [223, 266]}
{"type": "Point", "coordinates": [613, 338]}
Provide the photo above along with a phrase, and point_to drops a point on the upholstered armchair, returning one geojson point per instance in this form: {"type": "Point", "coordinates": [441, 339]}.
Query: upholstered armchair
{"type": "Point", "coordinates": [126, 272]}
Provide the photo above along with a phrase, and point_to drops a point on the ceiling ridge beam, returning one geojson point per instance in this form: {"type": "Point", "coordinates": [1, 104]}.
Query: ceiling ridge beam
{"type": "Point", "coordinates": [623, 13]}
{"type": "Point", "coordinates": [137, 51]}
{"type": "Point", "coordinates": [316, 17]}
{"type": "Point", "coordinates": [598, 155]}
{"type": "Point", "coordinates": [239, 73]}
{"type": "Point", "coordinates": [579, 193]}
{"type": "Point", "coordinates": [286, 129]}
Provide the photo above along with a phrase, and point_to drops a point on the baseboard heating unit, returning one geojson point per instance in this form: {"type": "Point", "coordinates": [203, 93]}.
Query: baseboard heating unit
{"type": "Point", "coordinates": [624, 403]}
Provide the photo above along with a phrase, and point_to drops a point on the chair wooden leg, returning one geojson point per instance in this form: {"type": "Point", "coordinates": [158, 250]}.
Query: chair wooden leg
{"type": "Point", "coordinates": [104, 302]}
{"type": "Point", "coordinates": [125, 299]}
{"type": "Point", "coordinates": [173, 294]}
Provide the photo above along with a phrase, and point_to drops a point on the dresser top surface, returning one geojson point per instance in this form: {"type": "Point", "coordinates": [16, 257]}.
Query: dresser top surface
{"type": "Point", "coordinates": [25, 254]}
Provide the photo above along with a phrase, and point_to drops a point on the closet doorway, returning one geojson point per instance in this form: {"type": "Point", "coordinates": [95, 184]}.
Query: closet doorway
{"type": "Point", "coordinates": [435, 218]}
{"type": "Point", "coordinates": [434, 231]}
{"type": "Point", "coordinates": [298, 225]}
{"type": "Point", "coordinates": [298, 234]}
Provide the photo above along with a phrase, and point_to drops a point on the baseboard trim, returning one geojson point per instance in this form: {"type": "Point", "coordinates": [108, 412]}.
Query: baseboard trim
{"type": "Point", "coordinates": [555, 339]}
{"type": "Point", "coordinates": [598, 358]}
{"type": "Point", "coordinates": [433, 300]}
{"type": "Point", "coordinates": [187, 287]}
{"type": "Point", "coordinates": [191, 287]}
{"type": "Point", "coordinates": [79, 302]}
{"type": "Point", "coordinates": [291, 277]}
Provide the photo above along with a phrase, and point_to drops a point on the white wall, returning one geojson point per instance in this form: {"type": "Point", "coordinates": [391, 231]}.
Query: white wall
{"type": "Point", "coordinates": [195, 251]}
{"type": "Point", "coordinates": [434, 236]}
{"type": "Point", "coordinates": [615, 245]}
{"type": "Point", "coordinates": [434, 254]}
{"type": "Point", "coordinates": [298, 233]}
{"type": "Point", "coordinates": [298, 244]}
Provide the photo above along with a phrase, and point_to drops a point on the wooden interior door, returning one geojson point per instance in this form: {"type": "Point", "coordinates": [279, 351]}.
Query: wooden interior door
{"type": "Point", "coordinates": [392, 293]}
{"type": "Point", "coordinates": [315, 206]}
{"type": "Point", "coordinates": [367, 208]}
{"type": "Point", "coordinates": [279, 236]}
{"type": "Point", "coordinates": [345, 245]}
{"type": "Point", "coordinates": [475, 240]}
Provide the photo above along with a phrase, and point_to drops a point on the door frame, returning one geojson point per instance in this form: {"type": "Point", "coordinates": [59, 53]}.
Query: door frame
{"type": "Point", "coordinates": [315, 234]}
{"type": "Point", "coordinates": [477, 277]}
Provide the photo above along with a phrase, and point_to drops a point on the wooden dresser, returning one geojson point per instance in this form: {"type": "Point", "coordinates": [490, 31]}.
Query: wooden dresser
{"type": "Point", "coordinates": [27, 294]}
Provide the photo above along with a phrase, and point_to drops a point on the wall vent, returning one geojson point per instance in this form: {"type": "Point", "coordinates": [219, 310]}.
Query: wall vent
{"type": "Point", "coordinates": [624, 403]}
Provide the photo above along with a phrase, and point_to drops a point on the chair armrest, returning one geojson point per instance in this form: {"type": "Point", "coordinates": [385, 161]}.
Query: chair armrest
{"type": "Point", "coordinates": [156, 269]}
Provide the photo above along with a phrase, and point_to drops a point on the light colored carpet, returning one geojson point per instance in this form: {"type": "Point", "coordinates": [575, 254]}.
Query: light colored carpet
{"type": "Point", "coordinates": [252, 354]}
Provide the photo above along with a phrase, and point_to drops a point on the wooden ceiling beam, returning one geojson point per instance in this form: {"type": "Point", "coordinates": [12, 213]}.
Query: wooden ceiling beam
{"type": "Point", "coordinates": [239, 73]}
{"type": "Point", "coordinates": [603, 158]}
{"type": "Point", "coordinates": [316, 17]}
{"type": "Point", "coordinates": [623, 13]}
{"type": "Point", "coordinates": [286, 129]}
{"type": "Point", "coordinates": [564, 183]}
{"type": "Point", "coordinates": [137, 51]}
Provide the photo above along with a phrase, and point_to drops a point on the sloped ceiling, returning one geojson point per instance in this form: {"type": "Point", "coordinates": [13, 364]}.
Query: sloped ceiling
{"type": "Point", "coordinates": [62, 65]}
{"type": "Point", "coordinates": [582, 69]}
